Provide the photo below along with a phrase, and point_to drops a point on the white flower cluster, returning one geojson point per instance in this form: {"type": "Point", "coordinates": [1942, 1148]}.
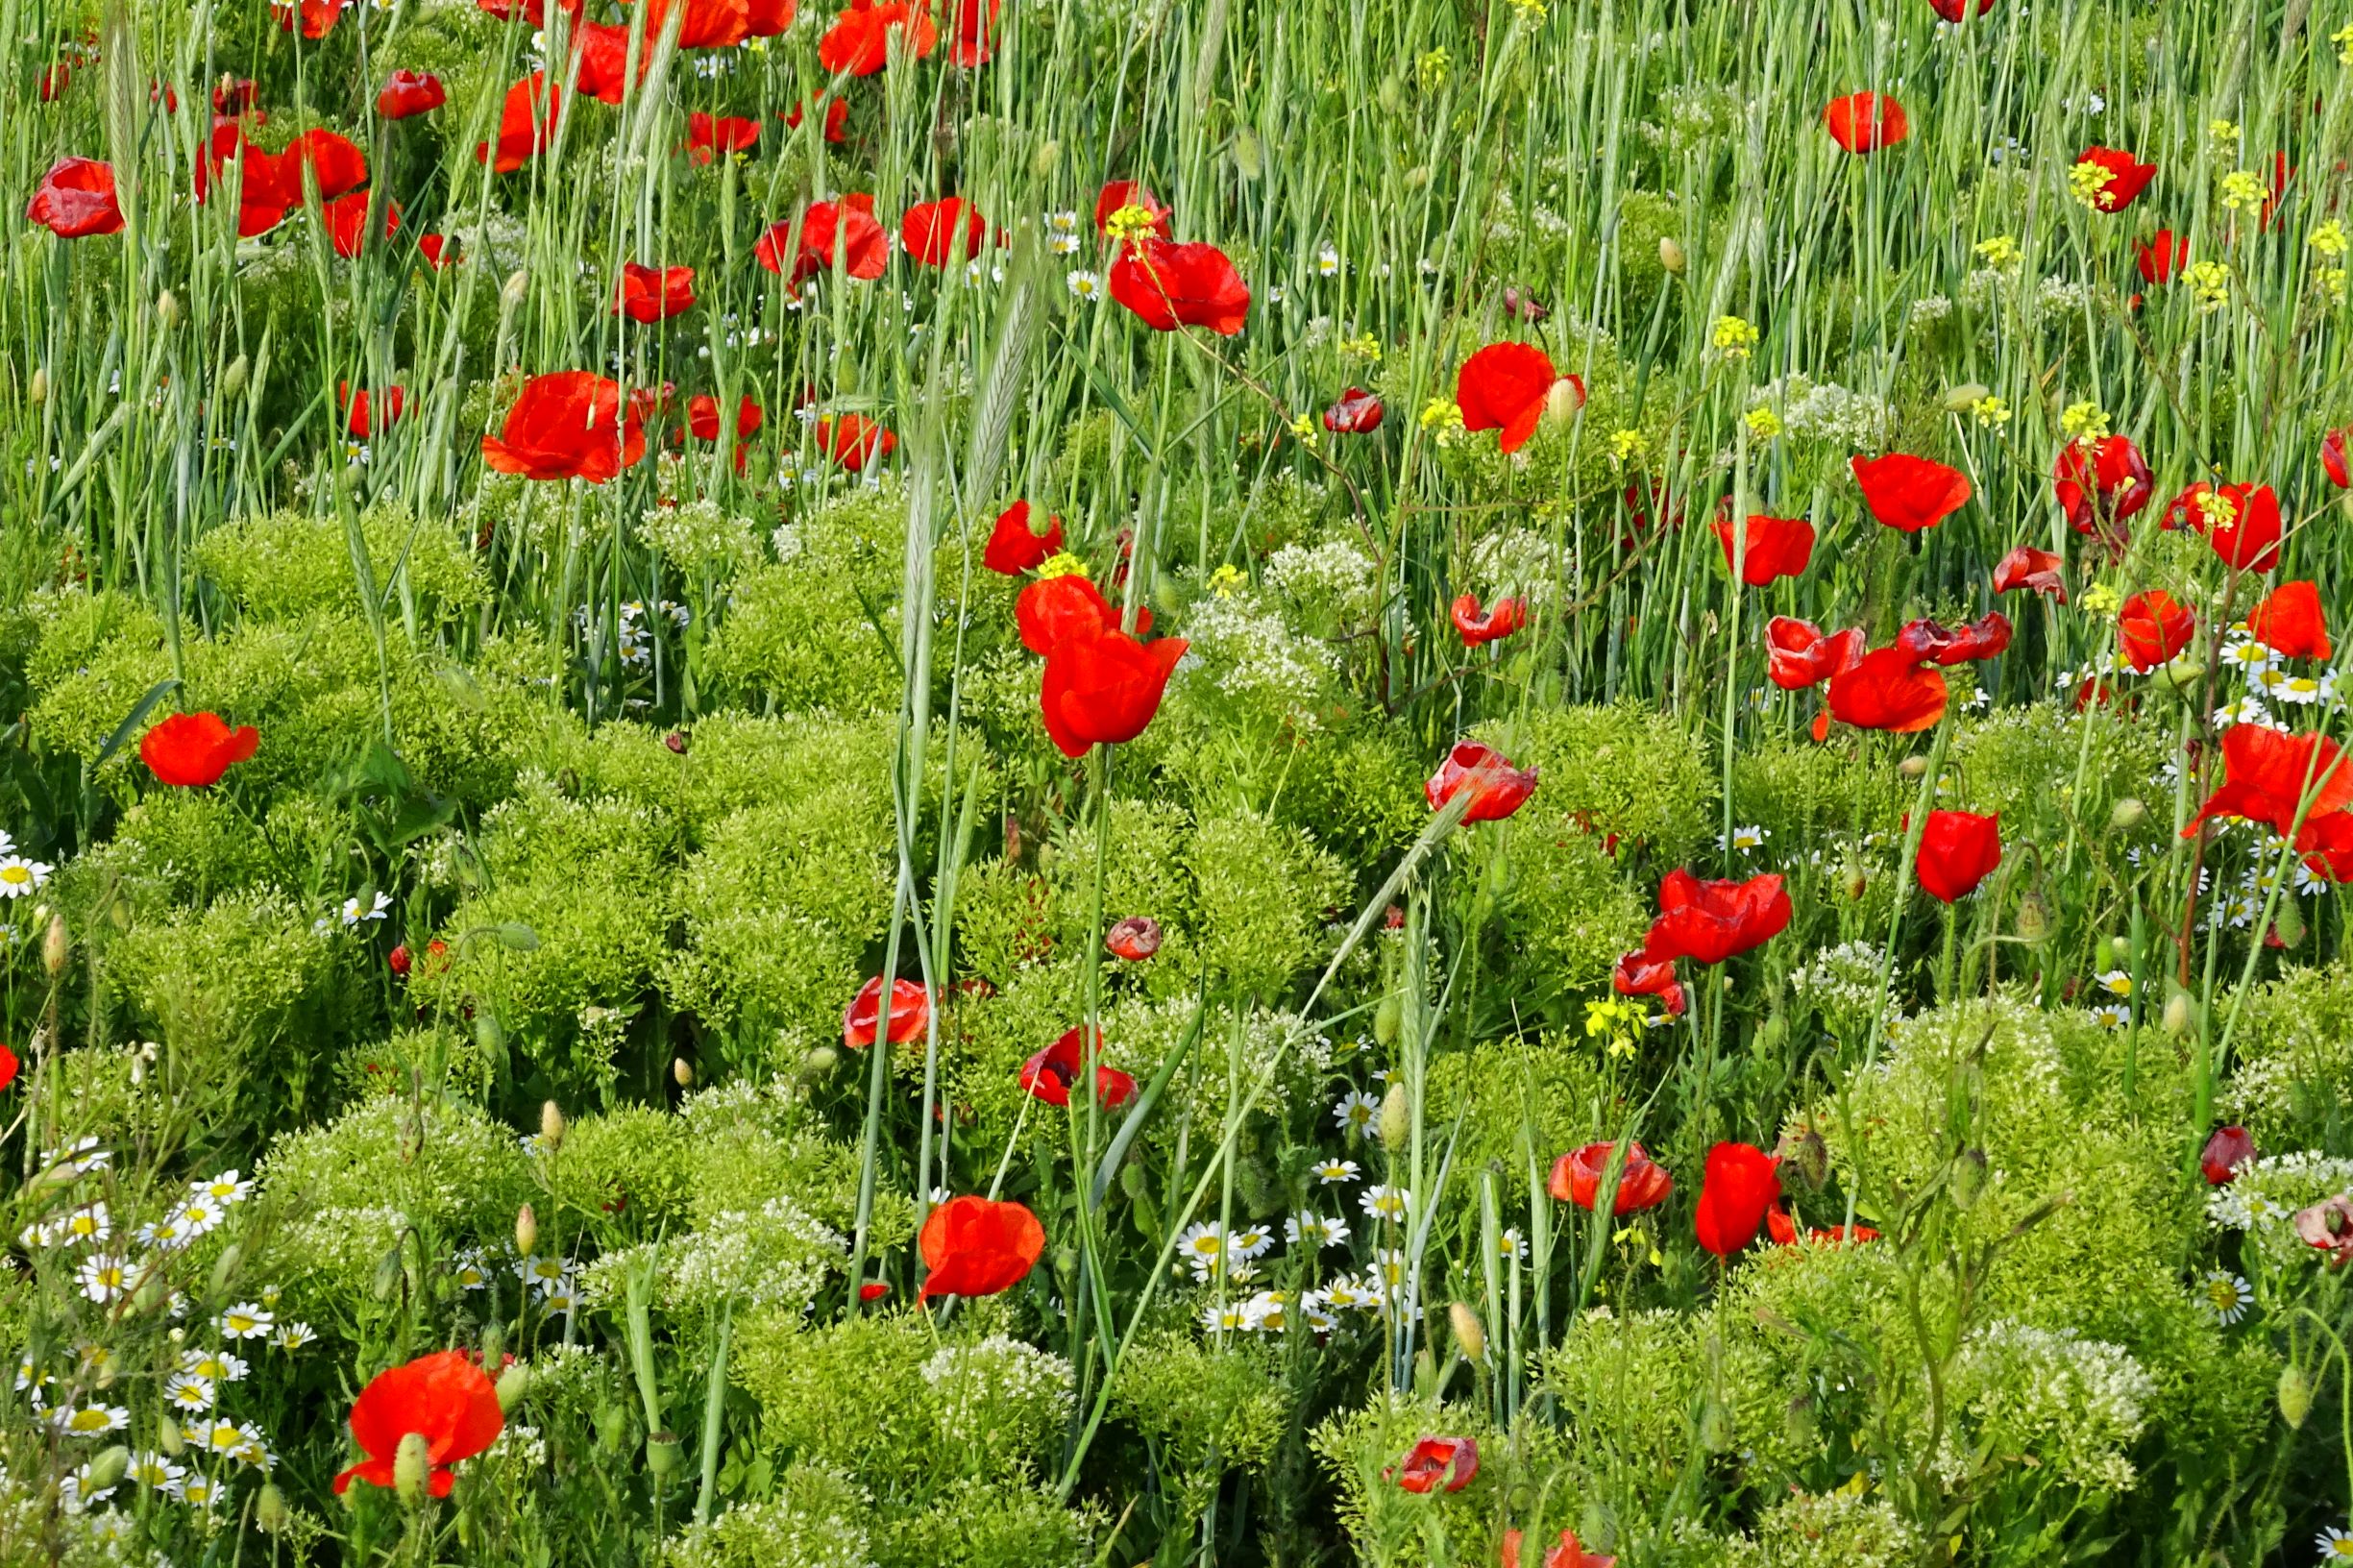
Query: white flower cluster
{"type": "Point", "coordinates": [1333, 578]}
{"type": "Point", "coordinates": [999, 1390]}
{"type": "Point", "coordinates": [1519, 563]}
{"type": "Point", "coordinates": [2266, 1191]}
{"type": "Point", "coordinates": [699, 537]}
{"type": "Point", "coordinates": [1825, 411]}
{"type": "Point", "coordinates": [2076, 1404]}
{"type": "Point", "coordinates": [1844, 979]}
{"type": "Point", "coordinates": [776, 1255]}
{"type": "Point", "coordinates": [1246, 651]}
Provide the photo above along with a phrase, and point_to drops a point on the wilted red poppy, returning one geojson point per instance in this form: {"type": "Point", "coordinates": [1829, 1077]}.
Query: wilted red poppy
{"type": "Point", "coordinates": [2290, 622]}
{"type": "Point", "coordinates": [974, 1247]}
{"type": "Point", "coordinates": [2229, 1148]}
{"type": "Point", "coordinates": [1801, 656]}
{"type": "Point", "coordinates": [1569, 1554]}
{"type": "Point", "coordinates": [316, 16]}
{"type": "Point", "coordinates": [1015, 546]}
{"type": "Point", "coordinates": [1168, 285]}
{"type": "Point", "coordinates": [1644, 1183]}
{"type": "Point", "coordinates": [1783, 1230]}
{"type": "Point", "coordinates": [975, 33]}
{"type": "Point", "coordinates": [936, 232]}
{"type": "Point", "coordinates": [1932, 642]}
{"type": "Point", "coordinates": [2332, 457]}
{"type": "Point", "coordinates": [1103, 690]}
{"type": "Point", "coordinates": [845, 229]}
{"type": "Point", "coordinates": [1069, 605]}
{"type": "Point", "coordinates": [76, 199]}
{"type": "Point", "coordinates": [445, 1398]}
{"type": "Point", "coordinates": [2329, 1226]}
{"type": "Point", "coordinates": [2267, 773]}
{"type": "Point", "coordinates": [910, 1013]}
{"type": "Point", "coordinates": [527, 124]}
{"type": "Point", "coordinates": [568, 426]}
{"type": "Point", "coordinates": [1117, 195]}
{"type": "Point", "coordinates": [1908, 493]}
{"type": "Point", "coordinates": [2038, 570]}
{"type": "Point", "coordinates": [853, 441]}
{"type": "Point", "coordinates": [1709, 921]}
{"type": "Point", "coordinates": [435, 249]}
{"type": "Point", "coordinates": [1358, 413]}
{"type": "Point", "coordinates": [1435, 1463]}
{"type": "Point", "coordinates": [1958, 849]}
{"type": "Point", "coordinates": [1049, 1074]}
{"type": "Point", "coordinates": [1741, 1185]}
{"type": "Point", "coordinates": [1887, 690]}
{"type": "Point", "coordinates": [1864, 122]}
{"type": "Point", "coordinates": [1497, 787]}
{"type": "Point", "coordinates": [190, 750]}
{"type": "Point", "coordinates": [707, 136]}
{"type": "Point", "coordinates": [1778, 547]}
{"type": "Point", "coordinates": [2099, 483]}
{"type": "Point", "coordinates": [650, 294]}
{"type": "Point", "coordinates": [346, 218]}
{"type": "Point", "coordinates": [2242, 521]}
{"type": "Point", "coordinates": [1647, 974]}
{"type": "Point", "coordinates": [859, 41]}
{"type": "Point", "coordinates": [366, 416]}
{"type": "Point", "coordinates": [1135, 938]}
{"type": "Point", "coordinates": [2162, 257]}
{"type": "Point", "coordinates": [1508, 616]}
{"type": "Point", "coordinates": [2127, 178]}
{"type": "Point", "coordinates": [1504, 388]}
{"type": "Point", "coordinates": [2152, 629]}
{"type": "Point", "coordinates": [411, 92]}
{"type": "Point", "coordinates": [235, 95]}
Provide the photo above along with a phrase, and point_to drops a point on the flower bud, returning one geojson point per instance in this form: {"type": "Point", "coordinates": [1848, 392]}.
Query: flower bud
{"type": "Point", "coordinates": [413, 1467]}
{"type": "Point", "coordinates": [1470, 1335]}
{"type": "Point", "coordinates": [513, 1383]}
{"type": "Point", "coordinates": [2185, 673]}
{"type": "Point", "coordinates": [2127, 813]}
{"type": "Point", "coordinates": [167, 310]}
{"type": "Point", "coordinates": [169, 1440]}
{"type": "Point", "coordinates": [1396, 1118]}
{"type": "Point", "coordinates": [1671, 257]}
{"type": "Point", "coordinates": [526, 1231]}
{"type": "Point", "coordinates": [106, 1470]}
{"type": "Point", "coordinates": [270, 1510]}
{"type": "Point", "coordinates": [233, 383]}
{"type": "Point", "coordinates": [225, 1267]}
{"type": "Point", "coordinates": [2179, 1014]}
{"type": "Point", "coordinates": [1804, 1155]}
{"type": "Point", "coordinates": [1966, 1178]}
{"type": "Point", "coordinates": [551, 1125]}
{"type": "Point", "coordinates": [820, 1060]}
{"type": "Point", "coordinates": [1387, 1019]}
{"type": "Point", "coordinates": [37, 390]}
{"type": "Point", "coordinates": [1914, 768]}
{"type": "Point", "coordinates": [1854, 883]}
{"type": "Point", "coordinates": [1715, 1427]}
{"type": "Point", "coordinates": [1563, 401]}
{"type": "Point", "coordinates": [2034, 925]}
{"type": "Point", "coordinates": [2294, 1395]}
{"type": "Point", "coordinates": [513, 291]}
{"type": "Point", "coordinates": [1248, 155]}
{"type": "Point", "coordinates": [55, 949]}
{"type": "Point", "coordinates": [1961, 398]}
{"type": "Point", "coordinates": [2120, 946]}
{"type": "Point", "coordinates": [682, 1073]}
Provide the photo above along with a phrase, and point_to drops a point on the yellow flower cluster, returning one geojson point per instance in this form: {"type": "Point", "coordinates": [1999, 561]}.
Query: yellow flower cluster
{"type": "Point", "coordinates": [1733, 337]}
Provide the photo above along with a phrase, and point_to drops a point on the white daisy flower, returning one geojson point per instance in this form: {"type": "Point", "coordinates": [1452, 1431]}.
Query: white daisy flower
{"type": "Point", "coordinates": [190, 1391]}
{"type": "Point", "coordinates": [542, 1274]}
{"type": "Point", "coordinates": [2116, 983]}
{"type": "Point", "coordinates": [1265, 1313]}
{"type": "Point", "coordinates": [2225, 1296]}
{"type": "Point", "coordinates": [2112, 1015]}
{"type": "Point", "coordinates": [1201, 1245]}
{"type": "Point", "coordinates": [90, 1420]}
{"type": "Point", "coordinates": [200, 1491]}
{"type": "Point", "coordinates": [469, 1269]}
{"type": "Point", "coordinates": [200, 1217]}
{"type": "Point", "coordinates": [1225, 1318]}
{"type": "Point", "coordinates": [2248, 656]}
{"type": "Point", "coordinates": [74, 1493]}
{"type": "Point", "coordinates": [2336, 1545]}
{"type": "Point", "coordinates": [102, 1278]}
{"type": "Point", "coordinates": [293, 1336]}
{"type": "Point", "coordinates": [1315, 1230]}
{"type": "Point", "coordinates": [90, 1223]}
{"type": "Point", "coordinates": [1251, 1241]}
{"type": "Point", "coordinates": [1389, 1203]}
{"type": "Point", "coordinates": [155, 1471]}
{"type": "Point", "coordinates": [217, 1364]}
{"type": "Point", "coordinates": [1084, 284]}
{"type": "Point", "coordinates": [20, 876]}
{"type": "Point", "coordinates": [1356, 1112]}
{"type": "Point", "coordinates": [1508, 1245]}
{"type": "Point", "coordinates": [225, 1188]}
{"type": "Point", "coordinates": [1327, 261]}
{"type": "Point", "coordinates": [1334, 1172]}
{"type": "Point", "coordinates": [1747, 840]}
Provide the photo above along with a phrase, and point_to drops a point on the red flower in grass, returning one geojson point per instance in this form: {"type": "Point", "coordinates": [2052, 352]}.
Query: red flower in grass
{"type": "Point", "coordinates": [568, 426]}
{"type": "Point", "coordinates": [975, 33]}
{"type": "Point", "coordinates": [527, 124]}
{"type": "Point", "coordinates": [1709, 921]}
{"type": "Point", "coordinates": [76, 200]}
{"type": "Point", "coordinates": [1864, 122]}
{"type": "Point", "coordinates": [1359, 412]}
{"type": "Point", "coordinates": [1932, 642]}
{"type": "Point", "coordinates": [2267, 773]}
{"type": "Point", "coordinates": [1958, 11]}
{"type": "Point", "coordinates": [235, 95]}
{"type": "Point", "coordinates": [435, 249]}
{"type": "Point", "coordinates": [334, 163]}
{"type": "Point", "coordinates": [2037, 570]}
{"type": "Point", "coordinates": [1507, 387]}
{"type": "Point", "coordinates": [7, 1067]}
{"type": "Point", "coordinates": [445, 1398]}
{"type": "Point", "coordinates": [910, 1013]}
{"type": "Point", "coordinates": [1569, 1554]}
{"type": "Point", "coordinates": [347, 219]}
{"type": "Point", "coordinates": [2329, 1226]}
{"type": "Point", "coordinates": [853, 441]}
{"type": "Point", "coordinates": [2224, 1153]}
{"type": "Point", "coordinates": [316, 16]}
{"type": "Point", "coordinates": [1508, 616]}
{"type": "Point", "coordinates": [1958, 850]}
{"type": "Point", "coordinates": [365, 416]}
{"type": "Point", "coordinates": [1741, 1185]}
{"type": "Point", "coordinates": [602, 54]}
{"type": "Point", "coordinates": [859, 41]}
{"type": "Point", "coordinates": [189, 751]}
{"type": "Point", "coordinates": [2099, 483]}
{"type": "Point", "coordinates": [2240, 522]}
{"type": "Point", "coordinates": [935, 233]}
{"type": "Point", "coordinates": [1052, 609]}
{"type": "Point", "coordinates": [1800, 655]}
{"type": "Point", "coordinates": [1909, 494]}
{"type": "Point", "coordinates": [1168, 285]}
{"type": "Point", "coordinates": [1134, 939]}
{"type": "Point", "coordinates": [1049, 1074]}
{"type": "Point", "coordinates": [1783, 1230]}
{"type": "Point", "coordinates": [2152, 629]}
{"type": "Point", "coordinates": [1778, 547]}
{"type": "Point", "coordinates": [702, 421]}
{"type": "Point", "coordinates": [1117, 195]}
{"type": "Point", "coordinates": [54, 80]}
{"type": "Point", "coordinates": [1647, 974]}
{"type": "Point", "coordinates": [411, 92]}
{"type": "Point", "coordinates": [830, 231]}
{"type": "Point", "coordinates": [2290, 622]}
{"type": "Point", "coordinates": [707, 136]}
{"type": "Point", "coordinates": [1015, 546]}
{"type": "Point", "coordinates": [1887, 690]}
{"type": "Point", "coordinates": [1497, 787]}
{"type": "Point", "coordinates": [2162, 256]}
{"type": "Point", "coordinates": [708, 24]}
{"type": "Point", "coordinates": [651, 294]}
{"type": "Point", "coordinates": [2332, 457]}
{"type": "Point", "coordinates": [2126, 178]}
{"type": "Point", "coordinates": [1435, 1463]}
{"type": "Point", "coordinates": [974, 1247]}
{"type": "Point", "coordinates": [1644, 1183]}
{"type": "Point", "coordinates": [1103, 689]}
{"type": "Point", "coordinates": [836, 112]}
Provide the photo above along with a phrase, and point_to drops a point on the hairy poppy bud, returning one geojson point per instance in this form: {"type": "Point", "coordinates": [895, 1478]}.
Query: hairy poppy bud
{"type": "Point", "coordinates": [55, 950]}
{"type": "Point", "coordinates": [167, 310]}
{"type": "Point", "coordinates": [513, 1383]}
{"type": "Point", "coordinates": [1967, 1181]}
{"type": "Point", "coordinates": [1470, 1335]}
{"type": "Point", "coordinates": [489, 1034]}
{"type": "Point", "coordinates": [1396, 1118]}
{"type": "Point", "coordinates": [1596, 1525]}
{"type": "Point", "coordinates": [682, 1073]}
{"type": "Point", "coordinates": [2289, 924]}
{"type": "Point", "coordinates": [270, 1510]}
{"type": "Point", "coordinates": [551, 1125]}
{"type": "Point", "coordinates": [233, 383]}
{"type": "Point", "coordinates": [1961, 398]}
{"type": "Point", "coordinates": [413, 1467]}
{"type": "Point", "coordinates": [1418, 177]}
{"type": "Point", "coordinates": [511, 293]}
{"type": "Point", "coordinates": [1563, 399]}
{"type": "Point", "coordinates": [820, 1060]}
{"type": "Point", "coordinates": [2033, 919]}
{"type": "Point", "coordinates": [2127, 813]}
{"type": "Point", "coordinates": [1247, 161]}
{"type": "Point", "coordinates": [1798, 1423]}
{"type": "Point", "coordinates": [2184, 673]}
{"type": "Point", "coordinates": [225, 1267]}
{"type": "Point", "coordinates": [1671, 257]}
{"type": "Point", "coordinates": [526, 1231]}
{"type": "Point", "coordinates": [169, 1440]}
{"type": "Point", "coordinates": [1804, 1155]}
{"type": "Point", "coordinates": [2294, 1395]}
{"type": "Point", "coordinates": [2179, 1014]}
{"type": "Point", "coordinates": [1715, 1427]}
{"type": "Point", "coordinates": [1854, 883]}
{"type": "Point", "coordinates": [37, 390]}
{"type": "Point", "coordinates": [2120, 946]}
{"type": "Point", "coordinates": [1914, 768]}
{"type": "Point", "coordinates": [106, 1470]}
{"type": "Point", "coordinates": [1387, 1017]}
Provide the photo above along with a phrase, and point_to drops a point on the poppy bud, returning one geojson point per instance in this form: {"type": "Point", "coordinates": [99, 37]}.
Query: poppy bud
{"type": "Point", "coordinates": [169, 1440]}
{"type": "Point", "coordinates": [675, 740]}
{"type": "Point", "coordinates": [1715, 1427]}
{"type": "Point", "coordinates": [2178, 1013]}
{"type": "Point", "coordinates": [1247, 161]}
{"type": "Point", "coordinates": [1914, 768]}
{"type": "Point", "coordinates": [1671, 257]}
{"type": "Point", "coordinates": [511, 292]}
{"type": "Point", "coordinates": [1805, 1156]}
{"type": "Point", "coordinates": [1967, 395]}
{"type": "Point", "coordinates": [526, 1231]}
{"type": "Point", "coordinates": [413, 1467]}
{"type": "Point", "coordinates": [2120, 946]}
{"type": "Point", "coordinates": [270, 1510]}
{"type": "Point", "coordinates": [551, 1125]}
{"type": "Point", "coordinates": [2033, 919]}
{"type": "Point", "coordinates": [1470, 1335]}
{"type": "Point", "coordinates": [662, 1453]}
{"type": "Point", "coordinates": [489, 1034]}
{"type": "Point", "coordinates": [2289, 924]}
{"type": "Point", "coordinates": [233, 383]}
{"type": "Point", "coordinates": [1396, 1118]}
{"type": "Point", "coordinates": [513, 1383]}
{"type": "Point", "coordinates": [37, 390]}
{"type": "Point", "coordinates": [1418, 177]}
{"type": "Point", "coordinates": [1387, 1017]}
{"type": "Point", "coordinates": [1772, 1031]}
{"type": "Point", "coordinates": [1596, 1525]}
{"type": "Point", "coordinates": [2128, 813]}
{"type": "Point", "coordinates": [2294, 1396]}
{"type": "Point", "coordinates": [54, 948]}
{"type": "Point", "coordinates": [1798, 1424]}
{"type": "Point", "coordinates": [167, 310]}
{"type": "Point", "coordinates": [1391, 95]}
{"type": "Point", "coordinates": [612, 1423]}
{"type": "Point", "coordinates": [682, 1073]}
{"type": "Point", "coordinates": [225, 1267]}
{"type": "Point", "coordinates": [820, 1062]}
{"type": "Point", "coordinates": [106, 1469]}
{"type": "Point", "coordinates": [1967, 1179]}
{"type": "Point", "coordinates": [1854, 884]}
{"type": "Point", "coordinates": [1045, 159]}
{"type": "Point", "coordinates": [1563, 399]}
{"type": "Point", "coordinates": [387, 1277]}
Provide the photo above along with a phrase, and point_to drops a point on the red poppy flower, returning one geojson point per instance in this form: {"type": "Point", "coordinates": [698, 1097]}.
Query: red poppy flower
{"type": "Point", "coordinates": [1932, 642]}
{"type": "Point", "coordinates": [2329, 1226]}
{"type": "Point", "coordinates": [1103, 689]}
{"type": "Point", "coordinates": [411, 92]}
{"type": "Point", "coordinates": [365, 416]}
{"type": "Point", "coordinates": [703, 420]}
{"type": "Point", "coordinates": [1168, 285]}
{"type": "Point", "coordinates": [1644, 1183]}
{"type": "Point", "coordinates": [1956, 11]}
{"type": "Point", "coordinates": [190, 750]}
{"type": "Point", "coordinates": [1134, 939]}
{"type": "Point", "coordinates": [2290, 622]}
{"type": "Point", "coordinates": [568, 426]}
{"type": "Point", "coordinates": [1647, 974]}
{"type": "Point", "coordinates": [316, 16]}
{"type": "Point", "coordinates": [2038, 570]}
{"type": "Point", "coordinates": [853, 441]}
{"type": "Point", "coordinates": [334, 161]}
{"type": "Point", "coordinates": [707, 136]}
{"type": "Point", "coordinates": [235, 95]}
{"type": "Point", "coordinates": [1710, 921]}
{"type": "Point", "coordinates": [2267, 772]}
{"type": "Point", "coordinates": [859, 41]}
{"type": "Point", "coordinates": [934, 231]}
{"type": "Point", "coordinates": [2229, 1148]}
{"type": "Point", "coordinates": [445, 1397]}
{"type": "Point", "coordinates": [1053, 608]}
{"type": "Point", "coordinates": [1497, 787]}
{"type": "Point", "coordinates": [1908, 493]}
{"type": "Point", "coordinates": [76, 199]}
{"type": "Point", "coordinates": [1049, 1074]}
{"type": "Point", "coordinates": [1783, 1230]}
{"type": "Point", "coordinates": [1117, 195]}
{"type": "Point", "coordinates": [601, 52]}
{"type": "Point", "coordinates": [435, 249]}
{"type": "Point", "coordinates": [1508, 616]}
{"type": "Point", "coordinates": [844, 230]}
{"type": "Point", "coordinates": [1778, 547]}
{"type": "Point", "coordinates": [1864, 122]}
{"type": "Point", "coordinates": [2154, 629]}
{"type": "Point", "coordinates": [974, 1247]}
{"type": "Point", "coordinates": [1434, 1463]}
{"type": "Point", "coordinates": [836, 115]}
{"type": "Point", "coordinates": [1801, 656]}
{"type": "Point", "coordinates": [1958, 849]}
{"type": "Point", "coordinates": [527, 124]}
{"type": "Point", "coordinates": [1358, 413]}
{"type": "Point", "coordinates": [650, 294]}
{"type": "Point", "coordinates": [1014, 547]}
{"type": "Point", "coordinates": [975, 29]}
{"type": "Point", "coordinates": [2242, 521]}
{"type": "Point", "coordinates": [261, 188]}
{"type": "Point", "coordinates": [1502, 387]}
{"type": "Point", "coordinates": [1886, 689]}
{"type": "Point", "coordinates": [910, 1013]}
{"type": "Point", "coordinates": [2332, 457]}
{"type": "Point", "coordinates": [347, 217]}
{"type": "Point", "coordinates": [2099, 483]}
{"type": "Point", "coordinates": [708, 24]}
{"type": "Point", "coordinates": [54, 80]}
{"type": "Point", "coordinates": [2127, 177]}
{"type": "Point", "coordinates": [2162, 257]}
{"type": "Point", "coordinates": [1741, 1185]}
{"type": "Point", "coordinates": [7, 1067]}
{"type": "Point", "coordinates": [1567, 1555]}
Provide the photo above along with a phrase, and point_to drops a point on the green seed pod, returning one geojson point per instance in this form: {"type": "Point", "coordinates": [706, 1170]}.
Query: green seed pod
{"type": "Point", "coordinates": [2295, 1395]}
{"type": "Point", "coordinates": [2127, 813]}
{"type": "Point", "coordinates": [1396, 1118]}
{"type": "Point", "coordinates": [2120, 946]}
{"type": "Point", "coordinates": [412, 1468]}
{"type": "Point", "coordinates": [662, 1453]}
{"type": "Point", "coordinates": [1799, 1426]}
{"type": "Point", "coordinates": [820, 1060]}
{"type": "Point", "coordinates": [682, 1073]}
